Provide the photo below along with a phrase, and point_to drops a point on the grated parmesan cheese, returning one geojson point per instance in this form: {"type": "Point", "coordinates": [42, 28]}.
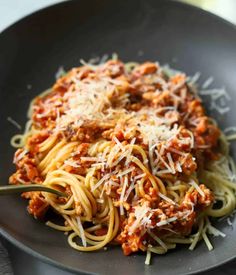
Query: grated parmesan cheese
{"type": "Point", "coordinates": [140, 213]}
{"type": "Point", "coordinates": [229, 221]}
{"type": "Point", "coordinates": [171, 163]}
{"type": "Point", "coordinates": [13, 122]}
{"type": "Point", "coordinates": [81, 230]}
{"type": "Point", "coordinates": [165, 163]}
{"type": "Point", "coordinates": [72, 163]}
{"type": "Point", "coordinates": [196, 186]}
{"type": "Point", "coordinates": [127, 171]}
{"type": "Point", "coordinates": [131, 187]}
{"type": "Point", "coordinates": [148, 257]}
{"type": "Point", "coordinates": [106, 177]}
{"type": "Point", "coordinates": [166, 198]}
{"type": "Point", "coordinates": [20, 156]}
{"type": "Point", "coordinates": [213, 231]}
{"type": "Point", "coordinates": [60, 72]}
{"type": "Point", "coordinates": [207, 82]}
{"type": "Point", "coordinates": [229, 129]}
{"type": "Point", "coordinates": [193, 79]}
{"type": "Point", "coordinates": [167, 221]}
{"type": "Point", "coordinates": [122, 195]}
{"type": "Point", "coordinates": [158, 240]}
{"type": "Point", "coordinates": [140, 176]}
{"type": "Point", "coordinates": [119, 144]}
{"type": "Point", "coordinates": [218, 99]}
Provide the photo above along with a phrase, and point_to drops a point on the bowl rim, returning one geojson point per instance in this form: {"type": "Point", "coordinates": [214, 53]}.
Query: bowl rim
{"type": "Point", "coordinates": [30, 251]}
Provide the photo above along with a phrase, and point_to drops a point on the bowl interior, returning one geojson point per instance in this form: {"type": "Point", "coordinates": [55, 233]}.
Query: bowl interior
{"type": "Point", "coordinates": [32, 50]}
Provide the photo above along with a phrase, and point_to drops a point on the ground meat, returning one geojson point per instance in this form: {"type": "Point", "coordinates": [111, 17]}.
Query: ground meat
{"type": "Point", "coordinates": [186, 213]}
{"type": "Point", "coordinates": [130, 242]}
{"type": "Point", "coordinates": [37, 205]}
{"type": "Point", "coordinates": [27, 170]}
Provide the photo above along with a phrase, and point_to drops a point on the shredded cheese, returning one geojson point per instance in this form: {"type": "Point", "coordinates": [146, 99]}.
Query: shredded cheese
{"type": "Point", "coordinates": [106, 177]}
{"type": "Point", "coordinates": [127, 171]}
{"type": "Point", "coordinates": [139, 176]}
{"type": "Point", "coordinates": [20, 156]}
{"type": "Point", "coordinates": [167, 221]}
{"type": "Point", "coordinates": [148, 257]}
{"type": "Point", "coordinates": [140, 213]}
{"type": "Point", "coordinates": [72, 163]}
{"type": "Point", "coordinates": [15, 123]}
{"type": "Point", "coordinates": [122, 196]}
{"type": "Point", "coordinates": [196, 186]}
{"type": "Point", "coordinates": [213, 231]}
{"type": "Point", "coordinates": [207, 82]}
{"type": "Point", "coordinates": [81, 230]}
{"type": "Point", "coordinates": [158, 240]}
{"type": "Point", "coordinates": [171, 163]}
{"type": "Point", "coordinates": [131, 187]}
{"type": "Point", "coordinates": [60, 72]}
{"type": "Point", "coordinates": [166, 198]}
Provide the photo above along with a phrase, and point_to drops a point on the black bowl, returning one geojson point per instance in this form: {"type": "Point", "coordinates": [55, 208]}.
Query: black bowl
{"type": "Point", "coordinates": [31, 52]}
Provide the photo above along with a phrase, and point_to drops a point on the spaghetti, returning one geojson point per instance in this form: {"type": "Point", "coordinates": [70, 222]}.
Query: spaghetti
{"type": "Point", "coordinates": [141, 162]}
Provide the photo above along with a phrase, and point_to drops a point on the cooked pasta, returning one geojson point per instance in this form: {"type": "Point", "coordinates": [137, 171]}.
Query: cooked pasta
{"type": "Point", "coordinates": [142, 164]}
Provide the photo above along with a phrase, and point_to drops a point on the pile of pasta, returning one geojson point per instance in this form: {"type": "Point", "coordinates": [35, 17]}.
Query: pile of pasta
{"type": "Point", "coordinates": [133, 148]}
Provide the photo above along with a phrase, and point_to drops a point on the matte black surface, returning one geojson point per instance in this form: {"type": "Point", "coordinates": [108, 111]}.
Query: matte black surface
{"type": "Point", "coordinates": [31, 52]}
{"type": "Point", "coordinates": [37, 267]}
